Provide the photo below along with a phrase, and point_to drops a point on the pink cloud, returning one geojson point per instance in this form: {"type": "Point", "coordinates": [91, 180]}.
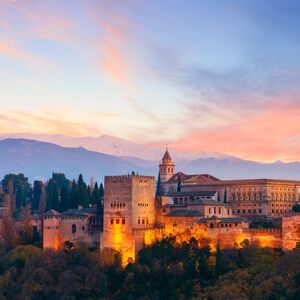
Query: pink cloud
{"type": "Point", "coordinates": [270, 134]}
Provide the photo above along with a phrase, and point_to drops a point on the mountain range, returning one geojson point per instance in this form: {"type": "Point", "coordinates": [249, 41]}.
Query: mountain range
{"type": "Point", "coordinates": [38, 159]}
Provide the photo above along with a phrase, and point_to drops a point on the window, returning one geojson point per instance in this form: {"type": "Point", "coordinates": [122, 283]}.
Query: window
{"type": "Point", "coordinates": [143, 221]}
{"type": "Point", "coordinates": [123, 221]}
{"type": "Point", "coordinates": [83, 228]}
{"type": "Point", "coordinates": [214, 210]}
{"type": "Point", "coordinates": [139, 221]}
{"type": "Point", "coordinates": [260, 211]}
{"type": "Point", "coordinates": [117, 221]}
{"type": "Point", "coordinates": [219, 210]}
{"type": "Point", "coordinates": [111, 221]}
{"type": "Point", "coordinates": [73, 228]}
{"type": "Point", "coordinates": [209, 210]}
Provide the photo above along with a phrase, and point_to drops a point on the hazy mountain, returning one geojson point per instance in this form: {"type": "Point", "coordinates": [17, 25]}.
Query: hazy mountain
{"type": "Point", "coordinates": [39, 159]}
{"type": "Point", "coordinates": [116, 146]}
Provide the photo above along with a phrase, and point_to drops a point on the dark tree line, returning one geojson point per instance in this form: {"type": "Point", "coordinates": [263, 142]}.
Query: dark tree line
{"type": "Point", "coordinates": [57, 193]}
{"type": "Point", "coordinates": [166, 270]}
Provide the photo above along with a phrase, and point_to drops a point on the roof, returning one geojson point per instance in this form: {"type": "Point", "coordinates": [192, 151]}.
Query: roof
{"type": "Point", "coordinates": [167, 155]}
{"type": "Point", "coordinates": [223, 220]}
{"type": "Point", "coordinates": [245, 181]}
{"type": "Point", "coordinates": [52, 212]}
{"type": "Point", "coordinates": [184, 213]}
{"type": "Point", "coordinates": [193, 193]}
{"type": "Point", "coordinates": [196, 178]}
{"type": "Point", "coordinates": [80, 212]}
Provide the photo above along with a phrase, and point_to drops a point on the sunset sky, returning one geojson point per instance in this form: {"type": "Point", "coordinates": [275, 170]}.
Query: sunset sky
{"type": "Point", "coordinates": [199, 75]}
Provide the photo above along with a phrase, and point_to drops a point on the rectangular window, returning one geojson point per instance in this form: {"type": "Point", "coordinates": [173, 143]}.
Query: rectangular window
{"type": "Point", "coordinates": [260, 211]}
{"type": "Point", "coordinates": [111, 221]}
{"type": "Point", "coordinates": [139, 221]}
{"type": "Point", "coordinates": [219, 210]}
{"type": "Point", "coordinates": [123, 221]}
{"type": "Point", "coordinates": [209, 210]}
{"type": "Point", "coordinates": [117, 221]}
{"type": "Point", "coordinates": [214, 210]}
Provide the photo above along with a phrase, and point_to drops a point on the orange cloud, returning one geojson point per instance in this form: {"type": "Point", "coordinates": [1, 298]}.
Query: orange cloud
{"type": "Point", "coordinates": [115, 47]}
{"type": "Point", "coordinates": [272, 133]}
{"type": "Point", "coordinates": [51, 122]}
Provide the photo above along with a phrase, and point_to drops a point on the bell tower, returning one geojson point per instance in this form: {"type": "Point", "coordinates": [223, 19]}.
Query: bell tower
{"type": "Point", "coordinates": [166, 167]}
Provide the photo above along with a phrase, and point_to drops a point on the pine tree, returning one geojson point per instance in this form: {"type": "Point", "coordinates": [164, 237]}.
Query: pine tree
{"type": "Point", "coordinates": [179, 184]}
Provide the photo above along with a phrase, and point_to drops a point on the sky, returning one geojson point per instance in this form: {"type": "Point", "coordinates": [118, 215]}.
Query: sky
{"type": "Point", "coordinates": [218, 75]}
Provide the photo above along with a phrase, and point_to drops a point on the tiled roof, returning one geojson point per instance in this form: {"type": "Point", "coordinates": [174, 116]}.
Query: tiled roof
{"type": "Point", "coordinates": [184, 213]}
{"type": "Point", "coordinates": [52, 212]}
{"type": "Point", "coordinates": [193, 193]}
{"type": "Point", "coordinates": [223, 220]}
{"type": "Point", "coordinates": [196, 178]}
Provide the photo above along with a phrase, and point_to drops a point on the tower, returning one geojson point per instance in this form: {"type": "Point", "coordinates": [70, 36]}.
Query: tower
{"type": "Point", "coordinates": [129, 211]}
{"type": "Point", "coordinates": [166, 167]}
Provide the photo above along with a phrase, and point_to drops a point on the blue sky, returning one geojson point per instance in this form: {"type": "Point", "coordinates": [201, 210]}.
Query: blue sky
{"type": "Point", "coordinates": [200, 75]}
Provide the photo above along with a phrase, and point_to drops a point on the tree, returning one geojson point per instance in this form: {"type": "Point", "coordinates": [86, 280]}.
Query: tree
{"type": "Point", "coordinates": [82, 192]}
{"type": "Point", "coordinates": [8, 229]}
{"type": "Point", "coordinates": [27, 231]}
{"type": "Point", "coordinates": [179, 184]}
{"type": "Point", "coordinates": [43, 200]}
{"type": "Point", "coordinates": [296, 208]}
{"type": "Point", "coordinates": [219, 262]}
{"type": "Point", "coordinates": [225, 196]}
{"type": "Point", "coordinates": [37, 192]}
{"type": "Point", "coordinates": [74, 195]}
{"type": "Point", "coordinates": [53, 201]}
{"type": "Point", "coordinates": [21, 188]}
{"type": "Point", "coordinates": [158, 187]}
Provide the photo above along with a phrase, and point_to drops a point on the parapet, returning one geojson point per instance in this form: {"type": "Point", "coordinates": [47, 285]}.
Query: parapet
{"type": "Point", "coordinates": [122, 178]}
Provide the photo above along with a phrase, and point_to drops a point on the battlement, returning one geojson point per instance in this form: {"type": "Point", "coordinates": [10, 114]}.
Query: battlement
{"type": "Point", "coordinates": [262, 230]}
{"type": "Point", "coordinates": [122, 178]}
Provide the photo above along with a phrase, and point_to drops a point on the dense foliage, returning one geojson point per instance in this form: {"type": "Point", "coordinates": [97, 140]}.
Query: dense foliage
{"type": "Point", "coordinates": [164, 271]}
{"type": "Point", "coordinates": [57, 193]}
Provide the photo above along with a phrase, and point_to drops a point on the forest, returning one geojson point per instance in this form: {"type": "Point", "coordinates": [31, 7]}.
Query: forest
{"type": "Point", "coordinates": [166, 270]}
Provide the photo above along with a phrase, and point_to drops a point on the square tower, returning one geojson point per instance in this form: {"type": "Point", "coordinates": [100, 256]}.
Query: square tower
{"type": "Point", "coordinates": [129, 210]}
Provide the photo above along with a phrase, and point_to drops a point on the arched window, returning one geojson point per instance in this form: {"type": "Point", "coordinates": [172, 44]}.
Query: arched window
{"type": "Point", "coordinates": [73, 228]}
{"type": "Point", "coordinates": [211, 225]}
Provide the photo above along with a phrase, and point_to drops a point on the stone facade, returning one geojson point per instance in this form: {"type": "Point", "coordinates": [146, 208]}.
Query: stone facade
{"type": "Point", "coordinates": [79, 226]}
{"type": "Point", "coordinates": [129, 210]}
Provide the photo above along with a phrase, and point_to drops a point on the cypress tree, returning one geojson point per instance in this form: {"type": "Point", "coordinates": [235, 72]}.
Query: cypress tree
{"type": "Point", "coordinates": [74, 195]}
{"type": "Point", "coordinates": [95, 194]}
{"type": "Point", "coordinates": [179, 184]}
{"type": "Point", "coordinates": [219, 262]}
{"type": "Point", "coordinates": [82, 192]}
{"type": "Point", "coordinates": [158, 191]}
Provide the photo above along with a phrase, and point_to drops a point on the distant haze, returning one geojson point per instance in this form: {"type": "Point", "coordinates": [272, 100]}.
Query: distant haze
{"type": "Point", "coordinates": [38, 160]}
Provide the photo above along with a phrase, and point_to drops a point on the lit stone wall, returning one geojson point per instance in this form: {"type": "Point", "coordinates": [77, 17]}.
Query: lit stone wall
{"type": "Point", "coordinates": [290, 231]}
{"type": "Point", "coordinates": [51, 232]}
{"type": "Point", "coordinates": [129, 209]}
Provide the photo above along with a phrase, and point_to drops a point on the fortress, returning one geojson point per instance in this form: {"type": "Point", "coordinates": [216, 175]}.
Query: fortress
{"type": "Point", "coordinates": [211, 210]}
{"type": "Point", "coordinates": [225, 212]}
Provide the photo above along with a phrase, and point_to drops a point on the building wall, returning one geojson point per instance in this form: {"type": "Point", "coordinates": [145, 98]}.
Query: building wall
{"type": "Point", "coordinates": [51, 232]}
{"type": "Point", "coordinates": [129, 207]}
{"type": "Point", "coordinates": [290, 231]}
{"type": "Point", "coordinates": [58, 230]}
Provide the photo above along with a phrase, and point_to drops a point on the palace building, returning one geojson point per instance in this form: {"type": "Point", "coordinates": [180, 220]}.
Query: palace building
{"type": "Point", "coordinates": [202, 206]}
